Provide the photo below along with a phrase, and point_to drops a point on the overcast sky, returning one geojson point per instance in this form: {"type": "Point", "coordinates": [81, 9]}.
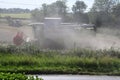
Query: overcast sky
{"type": "Point", "coordinates": [31, 4]}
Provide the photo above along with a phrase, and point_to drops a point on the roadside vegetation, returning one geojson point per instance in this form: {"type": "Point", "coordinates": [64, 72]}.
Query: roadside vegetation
{"type": "Point", "coordinates": [31, 60]}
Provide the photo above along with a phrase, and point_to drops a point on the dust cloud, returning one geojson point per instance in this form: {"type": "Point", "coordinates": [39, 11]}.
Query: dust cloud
{"type": "Point", "coordinates": [82, 38]}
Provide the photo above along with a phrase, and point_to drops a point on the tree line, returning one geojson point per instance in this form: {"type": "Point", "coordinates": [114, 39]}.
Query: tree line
{"type": "Point", "coordinates": [103, 12]}
{"type": "Point", "coordinates": [14, 10]}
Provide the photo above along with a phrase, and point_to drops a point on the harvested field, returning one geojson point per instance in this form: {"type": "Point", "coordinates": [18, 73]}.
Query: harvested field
{"type": "Point", "coordinates": [8, 32]}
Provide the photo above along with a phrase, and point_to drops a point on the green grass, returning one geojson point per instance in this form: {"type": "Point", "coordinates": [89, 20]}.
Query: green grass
{"type": "Point", "coordinates": [20, 15]}
{"type": "Point", "coordinates": [32, 60]}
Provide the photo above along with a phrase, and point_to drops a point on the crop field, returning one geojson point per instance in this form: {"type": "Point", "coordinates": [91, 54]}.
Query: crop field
{"type": "Point", "coordinates": [20, 15]}
{"type": "Point", "coordinates": [8, 32]}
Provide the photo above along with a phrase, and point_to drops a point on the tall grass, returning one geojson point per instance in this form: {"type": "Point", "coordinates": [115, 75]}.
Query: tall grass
{"type": "Point", "coordinates": [33, 60]}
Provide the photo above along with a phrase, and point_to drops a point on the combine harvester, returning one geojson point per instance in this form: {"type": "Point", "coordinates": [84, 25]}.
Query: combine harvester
{"type": "Point", "coordinates": [53, 34]}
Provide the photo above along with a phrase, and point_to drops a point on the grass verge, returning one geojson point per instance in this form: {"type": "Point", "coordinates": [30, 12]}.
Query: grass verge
{"type": "Point", "coordinates": [30, 60]}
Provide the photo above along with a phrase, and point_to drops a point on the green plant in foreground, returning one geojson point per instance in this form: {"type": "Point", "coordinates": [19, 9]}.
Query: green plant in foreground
{"type": "Point", "coordinates": [18, 76]}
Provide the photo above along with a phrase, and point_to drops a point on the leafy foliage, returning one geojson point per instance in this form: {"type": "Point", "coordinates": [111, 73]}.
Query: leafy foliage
{"type": "Point", "coordinates": [78, 11]}
{"type": "Point", "coordinates": [104, 5]}
{"type": "Point", "coordinates": [18, 76]}
{"type": "Point", "coordinates": [79, 7]}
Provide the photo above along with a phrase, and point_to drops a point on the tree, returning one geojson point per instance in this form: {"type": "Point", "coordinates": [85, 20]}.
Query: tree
{"type": "Point", "coordinates": [45, 9]}
{"type": "Point", "coordinates": [116, 10]}
{"type": "Point", "coordinates": [116, 13]}
{"type": "Point", "coordinates": [37, 15]}
{"type": "Point", "coordinates": [102, 10]}
{"type": "Point", "coordinates": [58, 9]}
{"type": "Point", "coordinates": [78, 10]}
{"type": "Point", "coordinates": [62, 8]}
{"type": "Point", "coordinates": [79, 7]}
{"type": "Point", "coordinates": [104, 5]}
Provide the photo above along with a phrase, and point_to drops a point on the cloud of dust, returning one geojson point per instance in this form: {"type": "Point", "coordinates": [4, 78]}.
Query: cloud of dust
{"type": "Point", "coordinates": [55, 35]}
{"type": "Point", "coordinates": [90, 39]}
{"type": "Point", "coordinates": [81, 38]}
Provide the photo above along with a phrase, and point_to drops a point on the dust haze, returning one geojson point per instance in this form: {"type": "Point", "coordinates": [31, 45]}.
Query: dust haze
{"type": "Point", "coordinates": [66, 37]}
{"type": "Point", "coordinates": [79, 37]}
{"type": "Point", "coordinates": [91, 40]}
